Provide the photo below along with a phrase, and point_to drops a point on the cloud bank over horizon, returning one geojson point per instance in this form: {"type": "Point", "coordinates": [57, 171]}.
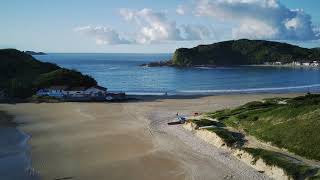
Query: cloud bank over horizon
{"type": "Point", "coordinates": [262, 19]}
{"type": "Point", "coordinates": [252, 19]}
{"type": "Point", "coordinates": [102, 35]}
{"type": "Point", "coordinates": [153, 27]}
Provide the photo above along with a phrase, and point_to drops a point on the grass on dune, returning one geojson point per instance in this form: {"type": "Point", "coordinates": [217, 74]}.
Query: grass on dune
{"type": "Point", "coordinates": [294, 170]}
{"type": "Point", "coordinates": [294, 125]}
{"type": "Point", "coordinates": [231, 139]}
{"type": "Point", "coordinates": [292, 167]}
{"type": "Point", "coordinates": [206, 122]}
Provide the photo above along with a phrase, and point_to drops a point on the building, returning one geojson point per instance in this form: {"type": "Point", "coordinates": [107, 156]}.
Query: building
{"type": "Point", "coordinates": [53, 91]}
{"type": "Point", "coordinates": [296, 63]}
{"type": "Point", "coordinates": [306, 64]}
{"type": "Point", "coordinates": [315, 64]}
{"type": "Point", "coordinates": [96, 91]}
{"type": "Point", "coordinates": [75, 92]}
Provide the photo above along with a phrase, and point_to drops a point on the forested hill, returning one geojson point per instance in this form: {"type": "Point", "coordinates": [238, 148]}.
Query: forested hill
{"type": "Point", "coordinates": [243, 52]}
{"type": "Point", "coordinates": [21, 74]}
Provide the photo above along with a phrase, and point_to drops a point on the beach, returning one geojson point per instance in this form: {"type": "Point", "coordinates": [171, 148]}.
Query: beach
{"type": "Point", "coordinates": [15, 162]}
{"type": "Point", "coordinates": [128, 140]}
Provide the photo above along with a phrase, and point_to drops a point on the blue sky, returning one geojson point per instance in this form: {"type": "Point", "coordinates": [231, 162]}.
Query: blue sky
{"type": "Point", "coordinates": [152, 26]}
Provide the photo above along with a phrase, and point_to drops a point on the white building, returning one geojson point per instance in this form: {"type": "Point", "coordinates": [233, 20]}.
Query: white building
{"type": "Point", "coordinates": [53, 91]}
{"type": "Point", "coordinates": [306, 64]}
{"type": "Point", "coordinates": [76, 92]}
{"type": "Point", "coordinates": [315, 64]}
{"type": "Point", "coordinates": [296, 63]}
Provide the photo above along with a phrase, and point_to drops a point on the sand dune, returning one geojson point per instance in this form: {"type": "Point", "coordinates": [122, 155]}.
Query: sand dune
{"type": "Point", "coordinates": [126, 140]}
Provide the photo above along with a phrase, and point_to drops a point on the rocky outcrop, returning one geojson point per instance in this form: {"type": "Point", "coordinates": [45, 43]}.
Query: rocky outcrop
{"type": "Point", "coordinates": [34, 53]}
{"type": "Point", "coordinates": [158, 64]}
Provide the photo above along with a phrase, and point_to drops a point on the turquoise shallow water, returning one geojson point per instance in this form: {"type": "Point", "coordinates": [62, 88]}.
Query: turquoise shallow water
{"type": "Point", "coordinates": [121, 72]}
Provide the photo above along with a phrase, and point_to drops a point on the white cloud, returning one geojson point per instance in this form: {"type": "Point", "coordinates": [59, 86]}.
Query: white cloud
{"type": "Point", "coordinates": [153, 26]}
{"type": "Point", "coordinates": [293, 23]}
{"type": "Point", "coordinates": [102, 35]}
{"type": "Point", "coordinates": [197, 32]}
{"type": "Point", "coordinates": [253, 29]}
{"type": "Point", "coordinates": [181, 10]}
{"type": "Point", "coordinates": [267, 19]}
{"type": "Point", "coordinates": [316, 30]}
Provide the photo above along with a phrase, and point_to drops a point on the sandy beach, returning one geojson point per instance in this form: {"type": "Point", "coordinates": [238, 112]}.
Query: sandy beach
{"type": "Point", "coordinates": [127, 140]}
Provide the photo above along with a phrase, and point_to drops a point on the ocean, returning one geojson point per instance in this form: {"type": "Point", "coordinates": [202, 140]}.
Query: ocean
{"type": "Point", "coordinates": [122, 73]}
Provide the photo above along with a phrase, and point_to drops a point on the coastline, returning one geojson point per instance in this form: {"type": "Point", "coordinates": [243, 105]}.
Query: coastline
{"type": "Point", "coordinates": [79, 137]}
{"type": "Point", "coordinates": [217, 66]}
{"type": "Point", "coordinates": [282, 66]}
{"type": "Point", "coordinates": [15, 160]}
{"type": "Point", "coordinates": [162, 96]}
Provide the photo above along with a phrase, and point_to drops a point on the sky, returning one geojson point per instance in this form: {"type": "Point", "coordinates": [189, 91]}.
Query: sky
{"type": "Point", "coordinates": [148, 26]}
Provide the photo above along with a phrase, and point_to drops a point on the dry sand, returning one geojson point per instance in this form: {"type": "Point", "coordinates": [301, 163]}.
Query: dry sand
{"type": "Point", "coordinates": [127, 140]}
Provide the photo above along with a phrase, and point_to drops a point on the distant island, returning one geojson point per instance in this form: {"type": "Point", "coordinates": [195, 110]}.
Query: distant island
{"type": "Point", "coordinates": [34, 53]}
{"type": "Point", "coordinates": [241, 52]}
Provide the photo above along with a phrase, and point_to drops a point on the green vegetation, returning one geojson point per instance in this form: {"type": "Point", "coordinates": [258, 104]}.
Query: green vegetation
{"type": "Point", "coordinates": [293, 124]}
{"type": "Point", "coordinates": [70, 78]}
{"type": "Point", "coordinates": [206, 122]}
{"type": "Point", "coordinates": [21, 74]}
{"type": "Point", "coordinates": [243, 52]}
{"type": "Point", "coordinates": [232, 139]}
{"type": "Point", "coordinates": [292, 169]}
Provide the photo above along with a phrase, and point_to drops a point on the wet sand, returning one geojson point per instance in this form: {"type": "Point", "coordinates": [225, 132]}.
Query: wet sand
{"type": "Point", "coordinates": [127, 140]}
{"type": "Point", "coordinates": [15, 162]}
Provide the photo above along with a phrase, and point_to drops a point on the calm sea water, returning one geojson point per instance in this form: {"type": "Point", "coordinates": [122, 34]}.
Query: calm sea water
{"type": "Point", "coordinates": [121, 72]}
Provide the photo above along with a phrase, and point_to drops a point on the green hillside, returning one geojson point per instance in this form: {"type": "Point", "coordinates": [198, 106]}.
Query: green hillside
{"type": "Point", "coordinates": [63, 76]}
{"type": "Point", "coordinates": [243, 52]}
{"type": "Point", "coordinates": [293, 124]}
{"type": "Point", "coordinates": [21, 74]}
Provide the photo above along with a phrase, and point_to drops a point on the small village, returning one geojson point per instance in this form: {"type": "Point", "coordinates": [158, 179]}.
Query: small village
{"type": "Point", "coordinates": [294, 64]}
{"type": "Point", "coordinates": [95, 93]}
